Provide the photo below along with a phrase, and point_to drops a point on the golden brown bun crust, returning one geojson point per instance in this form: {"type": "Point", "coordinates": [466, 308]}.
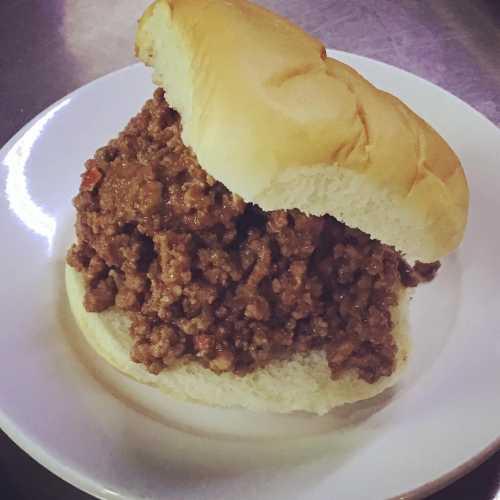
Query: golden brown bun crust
{"type": "Point", "coordinates": [302, 383]}
{"type": "Point", "coordinates": [284, 126]}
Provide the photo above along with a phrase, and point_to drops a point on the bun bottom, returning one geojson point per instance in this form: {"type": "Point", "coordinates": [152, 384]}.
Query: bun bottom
{"type": "Point", "coordinates": [301, 383]}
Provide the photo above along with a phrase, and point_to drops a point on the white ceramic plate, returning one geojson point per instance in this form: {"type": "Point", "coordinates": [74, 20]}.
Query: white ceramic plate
{"type": "Point", "coordinates": [103, 433]}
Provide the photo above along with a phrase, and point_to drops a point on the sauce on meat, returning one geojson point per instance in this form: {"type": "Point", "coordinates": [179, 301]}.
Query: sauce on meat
{"type": "Point", "coordinates": [206, 277]}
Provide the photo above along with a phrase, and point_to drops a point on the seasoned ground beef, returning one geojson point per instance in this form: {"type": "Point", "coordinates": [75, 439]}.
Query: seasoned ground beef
{"type": "Point", "coordinates": [206, 277]}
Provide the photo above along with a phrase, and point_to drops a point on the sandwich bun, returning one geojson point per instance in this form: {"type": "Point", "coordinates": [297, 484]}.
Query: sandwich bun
{"type": "Point", "coordinates": [302, 383]}
{"type": "Point", "coordinates": [274, 119]}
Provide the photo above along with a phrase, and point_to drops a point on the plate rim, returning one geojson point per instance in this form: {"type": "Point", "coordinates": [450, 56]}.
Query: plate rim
{"type": "Point", "coordinates": [92, 487]}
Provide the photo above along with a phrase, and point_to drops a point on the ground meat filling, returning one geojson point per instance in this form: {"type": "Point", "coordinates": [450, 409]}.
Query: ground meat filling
{"type": "Point", "coordinates": [206, 277]}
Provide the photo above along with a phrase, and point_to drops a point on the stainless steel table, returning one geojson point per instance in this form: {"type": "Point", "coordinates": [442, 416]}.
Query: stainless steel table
{"type": "Point", "coordinates": [50, 47]}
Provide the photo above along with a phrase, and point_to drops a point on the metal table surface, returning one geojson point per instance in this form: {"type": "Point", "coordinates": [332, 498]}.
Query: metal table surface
{"type": "Point", "coordinates": [51, 47]}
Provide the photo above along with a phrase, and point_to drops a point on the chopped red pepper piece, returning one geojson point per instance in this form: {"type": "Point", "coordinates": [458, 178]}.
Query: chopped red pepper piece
{"type": "Point", "coordinates": [90, 179]}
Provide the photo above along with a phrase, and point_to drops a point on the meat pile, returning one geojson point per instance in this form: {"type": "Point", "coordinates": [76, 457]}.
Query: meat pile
{"type": "Point", "coordinates": [206, 277]}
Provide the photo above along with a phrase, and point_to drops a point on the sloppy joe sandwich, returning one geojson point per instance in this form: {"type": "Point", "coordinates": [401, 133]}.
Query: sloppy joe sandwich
{"type": "Point", "coordinates": [250, 237]}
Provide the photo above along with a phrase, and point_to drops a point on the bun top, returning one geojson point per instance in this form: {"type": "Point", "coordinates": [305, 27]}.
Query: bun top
{"type": "Point", "coordinates": [284, 126]}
